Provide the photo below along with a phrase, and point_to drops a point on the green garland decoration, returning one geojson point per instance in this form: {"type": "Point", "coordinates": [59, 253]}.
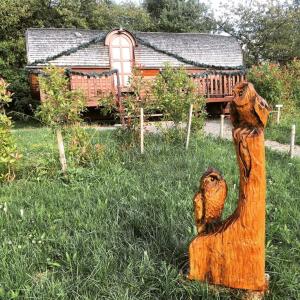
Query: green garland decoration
{"type": "Point", "coordinates": [70, 72]}
{"type": "Point", "coordinates": [101, 38]}
{"type": "Point", "coordinates": [229, 73]}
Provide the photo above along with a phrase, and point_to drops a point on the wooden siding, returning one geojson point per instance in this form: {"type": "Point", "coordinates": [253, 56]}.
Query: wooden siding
{"type": "Point", "coordinates": [93, 88]}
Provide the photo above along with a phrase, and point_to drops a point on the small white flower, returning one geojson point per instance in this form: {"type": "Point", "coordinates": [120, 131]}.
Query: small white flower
{"type": "Point", "coordinates": [19, 246]}
{"type": "Point", "coordinates": [40, 242]}
{"type": "Point", "coordinates": [22, 212]}
{"type": "Point", "coordinates": [5, 207]}
{"type": "Point", "coordinates": [33, 241]}
{"type": "Point", "coordinates": [9, 242]}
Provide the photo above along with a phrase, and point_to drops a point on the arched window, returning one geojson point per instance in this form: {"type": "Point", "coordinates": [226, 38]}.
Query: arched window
{"type": "Point", "coordinates": [121, 56]}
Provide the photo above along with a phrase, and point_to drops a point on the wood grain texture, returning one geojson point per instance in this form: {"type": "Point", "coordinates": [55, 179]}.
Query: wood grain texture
{"type": "Point", "coordinates": [232, 252]}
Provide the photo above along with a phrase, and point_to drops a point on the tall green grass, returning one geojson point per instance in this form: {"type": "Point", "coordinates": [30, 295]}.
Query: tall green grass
{"type": "Point", "coordinates": [120, 228]}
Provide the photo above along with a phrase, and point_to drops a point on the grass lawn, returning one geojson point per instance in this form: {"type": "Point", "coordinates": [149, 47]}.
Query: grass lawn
{"type": "Point", "coordinates": [120, 229]}
{"type": "Point", "coordinates": [282, 132]}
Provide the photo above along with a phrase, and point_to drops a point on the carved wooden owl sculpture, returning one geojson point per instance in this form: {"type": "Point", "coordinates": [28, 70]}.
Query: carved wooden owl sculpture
{"type": "Point", "coordinates": [209, 200]}
{"type": "Point", "coordinates": [247, 100]}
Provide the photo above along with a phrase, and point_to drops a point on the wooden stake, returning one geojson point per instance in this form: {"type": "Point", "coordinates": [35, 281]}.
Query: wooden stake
{"type": "Point", "coordinates": [61, 150]}
{"type": "Point", "coordinates": [189, 127]}
{"type": "Point", "coordinates": [292, 146]}
{"type": "Point", "coordinates": [222, 127]}
{"type": "Point", "coordinates": [142, 130]}
{"type": "Point", "coordinates": [278, 113]}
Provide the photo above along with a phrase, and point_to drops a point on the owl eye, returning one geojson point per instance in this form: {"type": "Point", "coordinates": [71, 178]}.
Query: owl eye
{"type": "Point", "coordinates": [212, 179]}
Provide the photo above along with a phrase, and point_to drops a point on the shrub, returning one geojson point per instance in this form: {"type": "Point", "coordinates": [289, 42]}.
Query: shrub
{"type": "Point", "coordinates": [80, 148]}
{"type": "Point", "coordinates": [60, 106]}
{"type": "Point", "coordinates": [278, 85]}
{"type": "Point", "coordinates": [292, 79]}
{"type": "Point", "coordinates": [8, 149]}
{"type": "Point", "coordinates": [174, 91]}
{"type": "Point", "coordinates": [268, 81]}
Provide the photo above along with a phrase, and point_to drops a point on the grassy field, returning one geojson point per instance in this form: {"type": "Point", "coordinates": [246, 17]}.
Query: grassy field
{"type": "Point", "coordinates": [120, 228]}
{"type": "Point", "coordinates": [282, 132]}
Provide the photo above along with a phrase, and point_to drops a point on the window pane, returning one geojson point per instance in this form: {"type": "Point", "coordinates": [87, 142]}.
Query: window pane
{"type": "Point", "coordinates": [126, 53]}
{"type": "Point", "coordinates": [126, 79]}
{"type": "Point", "coordinates": [124, 42]}
{"type": "Point", "coordinates": [116, 53]}
{"type": "Point", "coordinates": [116, 41]}
{"type": "Point", "coordinates": [126, 67]}
{"type": "Point", "coordinates": [116, 65]}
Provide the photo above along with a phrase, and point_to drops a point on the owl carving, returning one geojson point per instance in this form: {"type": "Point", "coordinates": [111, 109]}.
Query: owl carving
{"type": "Point", "coordinates": [209, 200]}
{"type": "Point", "coordinates": [249, 113]}
{"type": "Point", "coordinates": [248, 109]}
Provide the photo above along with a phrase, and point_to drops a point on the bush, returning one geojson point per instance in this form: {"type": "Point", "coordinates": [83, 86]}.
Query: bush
{"type": "Point", "coordinates": [269, 83]}
{"type": "Point", "coordinates": [8, 149]}
{"type": "Point", "coordinates": [80, 148]}
{"type": "Point", "coordinates": [60, 106]}
{"type": "Point", "coordinates": [278, 85]}
{"type": "Point", "coordinates": [174, 92]}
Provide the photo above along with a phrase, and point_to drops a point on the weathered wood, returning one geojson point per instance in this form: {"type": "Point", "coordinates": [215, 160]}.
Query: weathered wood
{"type": "Point", "coordinates": [142, 129]}
{"type": "Point", "coordinates": [222, 126]}
{"type": "Point", "coordinates": [189, 127]}
{"type": "Point", "coordinates": [232, 252]}
{"type": "Point", "coordinates": [292, 145]}
{"type": "Point", "coordinates": [278, 106]}
{"type": "Point", "coordinates": [61, 149]}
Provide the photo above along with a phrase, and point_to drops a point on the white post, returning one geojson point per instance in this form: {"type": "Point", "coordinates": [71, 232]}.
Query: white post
{"type": "Point", "coordinates": [189, 127]}
{"type": "Point", "coordinates": [222, 127]}
{"type": "Point", "coordinates": [293, 134]}
{"type": "Point", "coordinates": [61, 149]}
{"type": "Point", "coordinates": [278, 113]}
{"type": "Point", "coordinates": [142, 130]}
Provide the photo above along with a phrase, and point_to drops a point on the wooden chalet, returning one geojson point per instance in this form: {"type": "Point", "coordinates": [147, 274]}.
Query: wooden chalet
{"type": "Point", "coordinates": [214, 61]}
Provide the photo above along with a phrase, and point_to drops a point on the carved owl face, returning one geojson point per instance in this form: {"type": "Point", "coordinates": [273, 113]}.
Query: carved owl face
{"type": "Point", "coordinates": [211, 181]}
{"type": "Point", "coordinates": [243, 92]}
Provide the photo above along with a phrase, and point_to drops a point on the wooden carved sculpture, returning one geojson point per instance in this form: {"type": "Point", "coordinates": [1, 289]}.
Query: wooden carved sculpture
{"type": "Point", "coordinates": [232, 252]}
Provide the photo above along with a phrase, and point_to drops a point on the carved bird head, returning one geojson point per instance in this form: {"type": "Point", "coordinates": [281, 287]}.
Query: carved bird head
{"type": "Point", "coordinates": [211, 182]}
{"type": "Point", "coordinates": [243, 92]}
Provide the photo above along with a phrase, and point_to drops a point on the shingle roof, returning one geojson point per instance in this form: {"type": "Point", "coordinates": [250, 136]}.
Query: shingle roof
{"type": "Point", "coordinates": [206, 49]}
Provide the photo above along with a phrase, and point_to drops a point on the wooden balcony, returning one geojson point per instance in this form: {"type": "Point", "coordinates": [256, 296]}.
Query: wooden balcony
{"type": "Point", "coordinates": [217, 87]}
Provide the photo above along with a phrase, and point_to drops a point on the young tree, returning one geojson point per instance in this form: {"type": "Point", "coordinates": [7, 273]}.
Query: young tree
{"type": "Point", "coordinates": [174, 92]}
{"type": "Point", "coordinates": [60, 107]}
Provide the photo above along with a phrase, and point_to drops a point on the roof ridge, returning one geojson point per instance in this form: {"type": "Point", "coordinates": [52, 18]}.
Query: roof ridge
{"type": "Point", "coordinates": [181, 33]}
{"type": "Point", "coordinates": [70, 29]}
{"type": "Point", "coordinates": [134, 32]}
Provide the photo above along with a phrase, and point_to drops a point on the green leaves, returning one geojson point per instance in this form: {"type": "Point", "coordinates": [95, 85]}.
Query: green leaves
{"type": "Point", "coordinates": [8, 149]}
{"type": "Point", "coordinates": [174, 91]}
{"type": "Point", "coordinates": [60, 106]}
{"type": "Point", "coordinates": [267, 31]}
{"type": "Point", "coordinates": [180, 15]}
